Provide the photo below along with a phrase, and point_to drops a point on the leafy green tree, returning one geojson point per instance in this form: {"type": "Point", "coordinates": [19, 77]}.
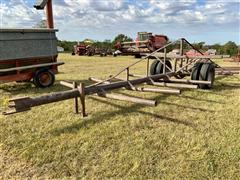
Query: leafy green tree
{"type": "Point", "coordinates": [230, 48]}
{"type": "Point", "coordinates": [199, 45]}
{"type": "Point", "coordinates": [67, 45]}
{"type": "Point", "coordinates": [121, 38]}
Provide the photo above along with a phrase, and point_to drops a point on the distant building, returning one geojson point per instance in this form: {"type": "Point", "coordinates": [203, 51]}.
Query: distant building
{"type": "Point", "coordinates": [60, 49]}
{"type": "Point", "coordinates": [211, 51]}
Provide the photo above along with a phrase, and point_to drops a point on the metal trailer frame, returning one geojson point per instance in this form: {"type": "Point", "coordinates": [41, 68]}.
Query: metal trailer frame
{"type": "Point", "coordinates": [25, 73]}
{"type": "Point", "coordinates": [182, 66]}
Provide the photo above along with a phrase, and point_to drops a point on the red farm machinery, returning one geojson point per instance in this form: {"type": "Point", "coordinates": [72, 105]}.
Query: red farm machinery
{"type": "Point", "coordinates": [82, 49]}
{"type": "Point", "coordinates": [30, 54]}
{"type": "Point", "coordinates": [145, 42]}
{"type": "Point", "coordinates": [79, 49]}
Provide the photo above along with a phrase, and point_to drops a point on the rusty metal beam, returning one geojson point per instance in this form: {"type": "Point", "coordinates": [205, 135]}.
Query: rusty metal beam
{"type": "Point", "coordinates": [27, 103]}
{"type": "Point", "coordinates": [140, 89]}
{"type": "Point", "coordinates": [174, 85]}
{"type": "Point", "coordinates": [117, 96]}
{"type": "Point", "coordinates": [128, 98]}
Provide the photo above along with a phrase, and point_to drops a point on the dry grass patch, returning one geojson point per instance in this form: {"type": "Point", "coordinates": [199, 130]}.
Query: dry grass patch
{"type": "Point", "coordinates": [194, 135]}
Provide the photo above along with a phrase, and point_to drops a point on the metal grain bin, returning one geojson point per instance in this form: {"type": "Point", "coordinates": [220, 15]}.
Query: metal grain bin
{"type": "Point", "coordinates": [17, 44]}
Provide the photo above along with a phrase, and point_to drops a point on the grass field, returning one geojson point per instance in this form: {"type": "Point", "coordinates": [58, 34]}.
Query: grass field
{"type": "Point", "coordinates": [195, 135]}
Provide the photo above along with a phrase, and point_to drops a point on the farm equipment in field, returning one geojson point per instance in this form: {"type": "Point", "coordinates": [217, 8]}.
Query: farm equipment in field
{"type": "Point", "coordinates": [30, 54]}
{"type": "Point", "coordinates": [79, 49]}
{"type": "Point", "coordinates": [82, 49]}
{"type": "Point", "coordinates": [161, 73]}
{"type": "Point", "coordinates": [145, 43]}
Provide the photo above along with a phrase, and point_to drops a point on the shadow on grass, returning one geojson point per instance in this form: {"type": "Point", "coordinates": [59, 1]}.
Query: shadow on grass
{"type": "Point", "coordinates": [188, 107]}
{"type": "Point", "coordinates": [24, 88]}
{"type": "Point", "coordinates": [122, 110]}
{"type": "Point", "coordinates": [221, 89]}
{"type": "Point", "coordinates": [199, 99]}
{"type": "Point", "coordinates": [222, 77]}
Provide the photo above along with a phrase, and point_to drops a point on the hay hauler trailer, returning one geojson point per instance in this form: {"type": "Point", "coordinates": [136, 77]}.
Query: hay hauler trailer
{"type": "Point", "coordinates": [30, 54]}
{"type": "Point", "coordinates": [160, 72]}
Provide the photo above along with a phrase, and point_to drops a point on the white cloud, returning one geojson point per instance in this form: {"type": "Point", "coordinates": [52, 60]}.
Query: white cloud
{"type": "Point", "coordinates": [107, 5]}
{"type": "Point", "coordinates": [108, 15]}
{"type": "Point", "coordinates": [18, 15]}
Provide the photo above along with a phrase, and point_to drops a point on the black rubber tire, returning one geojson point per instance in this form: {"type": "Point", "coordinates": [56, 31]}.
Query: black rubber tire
{"type": "Point", "coordinates": [207, 73]}
{"type": "Point", "coordinates": [37, 78]}
{"type": "Point", "coordinates": [153, 67]}
{"type": "Point", "coordinates": [159, 68]}
{"type": "Point", "coordinates": [196, 71]}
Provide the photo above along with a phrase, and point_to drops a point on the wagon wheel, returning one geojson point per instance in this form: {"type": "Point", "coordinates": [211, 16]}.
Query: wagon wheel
{"type": "Point", "coordinates": [196, 71]}
{"type": "Point", "coordinates": [207, 73]}
{"type": "Point", "coordinates": [159, 68]}
{"type": "Point", "coordinates": [153, 67]}
{"type": "Point", "coordinates": [44, 78]}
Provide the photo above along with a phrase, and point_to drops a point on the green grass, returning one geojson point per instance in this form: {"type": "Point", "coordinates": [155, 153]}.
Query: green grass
{"type": "Point", "coordinates": [194, 135]}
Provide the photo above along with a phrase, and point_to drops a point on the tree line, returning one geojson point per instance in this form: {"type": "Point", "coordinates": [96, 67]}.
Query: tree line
{"type": "Point", "coordinates": [229, 48]}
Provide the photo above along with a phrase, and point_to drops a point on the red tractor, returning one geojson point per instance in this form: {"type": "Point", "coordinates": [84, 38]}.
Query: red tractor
{"type": "Point", "coordinates": [79, 49]}
{"type": "Point", "coordinates": [145, 43]}
{"type": "Point", "coordinates": [82, 49]}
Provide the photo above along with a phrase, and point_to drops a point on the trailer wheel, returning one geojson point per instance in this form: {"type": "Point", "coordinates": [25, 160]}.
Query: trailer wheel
{"type": "Point", "coordinates": [44, 78]}
{"type": "Point", "coordinates": [153, 67]}
{"type": "Point", "coordinates": [196, 71]}
{"type": "Point", "coordinates": [159, 68]}
{"type": "Point", "coordinates": [207, 73]}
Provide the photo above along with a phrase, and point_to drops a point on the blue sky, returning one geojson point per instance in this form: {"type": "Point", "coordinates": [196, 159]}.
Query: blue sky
{"type": "Point", "coordinates": [211, 21]}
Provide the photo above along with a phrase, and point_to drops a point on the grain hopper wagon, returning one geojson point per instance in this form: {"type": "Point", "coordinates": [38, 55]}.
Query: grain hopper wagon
{"type": "Point", "coordinates": [30, 54]}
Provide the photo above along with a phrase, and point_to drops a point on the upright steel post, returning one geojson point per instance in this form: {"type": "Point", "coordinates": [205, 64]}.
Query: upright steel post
{"type": "Point", "coordinates": [164, 64]}
{"type": "Point", "coordinates": [127, 74]}
{"type": "Point", "coordinates": [181, 51]}
{"type": "Point", "coordinates": [82, 98]}
{"type": "Point", "coordinates": [147, 67]}
{"type": "Point", "coordinates": [75, 99]}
